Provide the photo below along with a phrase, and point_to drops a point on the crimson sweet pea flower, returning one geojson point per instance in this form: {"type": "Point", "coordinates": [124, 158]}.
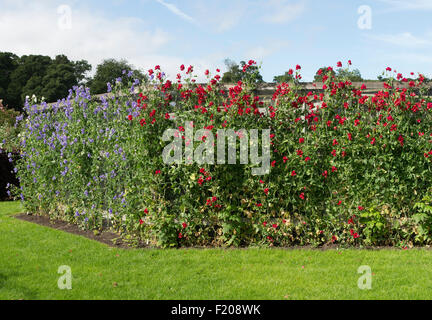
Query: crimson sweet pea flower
{"type": "Point", "coordinates": [182, 67]}
{"type": "Point", "coordinates": [275, 226]}
{"type": "Point", "coordinates": [184, 225]}
{"type": "Point", "coordinates": [264, 223]}
{"type": "Point", "coordinates": [141, 222]}
{"type": "Point", "coordinates": [293, 173]}
{"type": "Point", "coordinates": [146, 211]}
{"type": "Point", "coordinates": [302, 195]}
{"type": "Point", "coordinates": [180, 235]}
{"type": "Point", "coordinates": [266, 191]}
{"type": "Point", "coordinates": [130, 117]}
{"type": "Point", "coordinates": [157, 172]}
{"type": "Point", "coordinates": [339, 64]}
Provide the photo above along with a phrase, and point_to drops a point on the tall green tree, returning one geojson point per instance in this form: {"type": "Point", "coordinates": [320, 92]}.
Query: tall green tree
{"type": "Point", "coordinates": [351, 75]}
{"type": "Point", "coordinates": [108, 71]}
{"type": "Point", "coordinates": [39, 75]}
{"type": "Point", "coordinates": [8, 63]}
{"type": "Point", "coordinates": [329, 72]}
{"type": "Point", "coordinates": [235, 73]}
{"type": "Point", "coordinates": [286, 77]}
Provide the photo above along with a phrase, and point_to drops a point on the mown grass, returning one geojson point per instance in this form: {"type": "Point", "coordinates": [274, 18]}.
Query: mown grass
{"type": "Point", "coordinates": [30, 256]}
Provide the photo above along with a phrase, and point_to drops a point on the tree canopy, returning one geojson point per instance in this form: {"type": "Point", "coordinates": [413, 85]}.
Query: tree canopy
{"type": "Point", "coordinates": [108, 71]}
{"type": "Point", "coordinates": [241, 72]}
{"type": "Point", "coordinates": [39, 75]}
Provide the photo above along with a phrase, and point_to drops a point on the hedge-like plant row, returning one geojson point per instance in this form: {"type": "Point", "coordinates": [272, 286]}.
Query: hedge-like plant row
{"type": "Point", "coordinates": [345, 168]}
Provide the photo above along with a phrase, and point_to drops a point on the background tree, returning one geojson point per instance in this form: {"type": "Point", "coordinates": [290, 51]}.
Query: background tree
{"type": "Point", "coordinates": [286, 77]}
{"type": "Point", "coordinates": [61, 75]}
{"type": "Point", "coordinates": [351, 75]}
{"type": "Point", "coordinates": [324, 71]}
{"type": "Point", "coordinates": [8, 63]}
{"type": "Point", "coordinates": [108, 71]}
{"type": "Point", "coordinates": [38, 75]}
{"type": "Point", "coordinates": [235, 72]}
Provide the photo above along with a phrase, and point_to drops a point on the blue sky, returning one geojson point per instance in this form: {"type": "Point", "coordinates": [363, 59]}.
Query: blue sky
{"type": "Point", "coordinates": [277, 33]}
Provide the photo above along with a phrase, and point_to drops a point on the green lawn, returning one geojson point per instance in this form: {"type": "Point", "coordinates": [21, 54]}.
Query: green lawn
{"type": "Point", "coordinates": [31, 254]}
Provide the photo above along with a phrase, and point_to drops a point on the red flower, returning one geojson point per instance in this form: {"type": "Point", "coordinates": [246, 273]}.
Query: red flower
{"type": "Point", "coordinates": [259, 204]}
{"type": "Point", "coordinates": [334, 169]}
{"type": "Point", "coordinates": [401, 140]}
{"type": "Point", "coordinates": [157, 172]}
{"type": "Point", "coordinates": [360, 208]}
{"type": "Point", "coordinates": [339, 64]}
{"type": "Point", "coordinates": [264, 223]}
{"type": "Point", "coordinates": [275, 226]}
{"type": "Point", "coordinates": [141, 222]}
{"type": "Point", "coordinates": [180, 235]}
{"type": "Point", "coordinates": [339, 202]}
{"type": "Point", "coordinates": [266, 191]}
{"type": "Point", "coordinates": [325, 174]}
{"type": "Point", "coordinates": [298, 67]}
{"type": "Point", "coordinates": [146, 211]}
{"type": "Point", "coordinates": [301, 140]}
{"type": "Point", "coordinates": [184, 225]}
{"type": "Point", "coordinates": [293, 173]}
{"type": "Point", "coordinates": [302, 195]}
{"type": "Point", "coordinates": [334, 238]}
{"type": "Point", "coordinates": [130, 117]}
{"type": "Point", "coordinates": [182, 67]}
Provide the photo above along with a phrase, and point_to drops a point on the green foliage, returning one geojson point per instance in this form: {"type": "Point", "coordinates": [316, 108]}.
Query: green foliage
{"type": "Point", "coordinates": [38, 75]}
{"type": "Point", "coordinates": [246, 72]}
{"type": "Point", "coordinates": [423, 220]}
{"type": "Point", "coordinates": [8, 130]}
{"type": "Point", "coordinates": [332, 155]}
{"type": "Point", "coordinates": [324, 71]}
{"type": "Point", "coordinates": [108, 71]}
{"type": "Point", "coordinates": [374, 229]}
{"type": "Point", "coordinates": [351, 75]}
{"type": "Point", "coordinates": [286, 77]}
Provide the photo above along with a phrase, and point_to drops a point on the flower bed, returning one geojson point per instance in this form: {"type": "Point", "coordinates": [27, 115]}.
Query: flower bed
{"type": "Point", "coordinates": [345, 167]}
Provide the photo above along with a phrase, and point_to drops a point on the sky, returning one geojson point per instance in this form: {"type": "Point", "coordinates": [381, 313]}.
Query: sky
{"type": "Point", "coordinates": [278, 34]}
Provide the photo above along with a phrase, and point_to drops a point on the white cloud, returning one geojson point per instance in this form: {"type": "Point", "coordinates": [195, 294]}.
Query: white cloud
{"type": "Point", "coordinates": [283, 11]}
{"type": "Point", "coordinates": [401, 5]}
{"type": "Point", "coordinates": [258, 53]}
{"type": "Point", "coordinates": [177, 11]}
{"type": "Point", "coordinates": [33, 29]}
{"type": "Point", "coordinates": [405, 39]}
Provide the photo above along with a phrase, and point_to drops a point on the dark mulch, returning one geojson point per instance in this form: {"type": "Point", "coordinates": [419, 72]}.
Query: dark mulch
{"type": "Point", "coordinates": [109, 238]}
{"type": "Point", "coordinates": [114, 240]}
